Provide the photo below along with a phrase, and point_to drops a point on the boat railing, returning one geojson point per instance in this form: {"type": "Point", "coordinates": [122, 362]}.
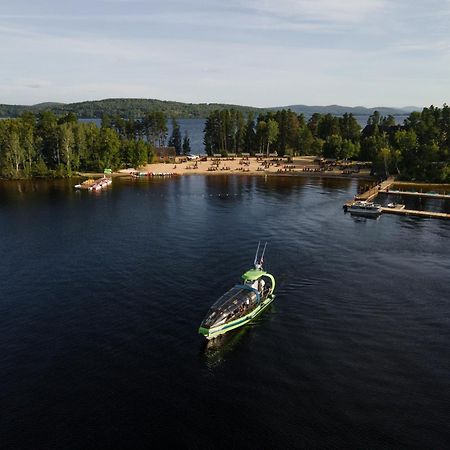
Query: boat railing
{"type": "Point", "coordinates": [265, 292]}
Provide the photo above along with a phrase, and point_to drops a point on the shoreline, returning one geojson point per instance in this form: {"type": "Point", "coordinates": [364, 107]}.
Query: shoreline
{"type": "Point", "coordinates": [258, 174]}
{"type": "Point", "coordinates": [299, 166]}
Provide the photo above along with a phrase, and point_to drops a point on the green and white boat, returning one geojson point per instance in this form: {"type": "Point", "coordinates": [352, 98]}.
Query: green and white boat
{"type": "Point", "coordinates": [242, 303]}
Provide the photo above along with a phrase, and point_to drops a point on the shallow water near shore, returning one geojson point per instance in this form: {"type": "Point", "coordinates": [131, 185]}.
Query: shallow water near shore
{"type": "Point", "coordinates": [103, 293]}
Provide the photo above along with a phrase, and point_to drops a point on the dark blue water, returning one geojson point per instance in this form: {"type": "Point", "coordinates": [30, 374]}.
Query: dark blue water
{"type": "Point", "coordinates": [102, 295]}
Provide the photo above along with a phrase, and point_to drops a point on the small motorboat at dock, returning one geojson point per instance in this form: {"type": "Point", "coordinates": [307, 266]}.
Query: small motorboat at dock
{"type": "Point", "coordinates": [363, 208]}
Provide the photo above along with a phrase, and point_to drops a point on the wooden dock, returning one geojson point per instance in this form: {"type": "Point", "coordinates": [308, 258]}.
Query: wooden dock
{"type": "Point", "coordinates": [385, 187]}
{"type": "Point", "coordinates": [370, 194]}
{"type": "Point", "coordinates": [416, 194]}
{"type": "Point", "coordinates": [415, 213]}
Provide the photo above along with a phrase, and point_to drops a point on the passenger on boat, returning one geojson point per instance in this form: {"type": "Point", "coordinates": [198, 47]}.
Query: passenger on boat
{"type": "Point", "coordinates": [261, 285]}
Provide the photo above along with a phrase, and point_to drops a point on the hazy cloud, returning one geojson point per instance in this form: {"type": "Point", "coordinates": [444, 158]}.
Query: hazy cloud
{"type": "Point", "coordinates": [263, 53]}
{"type": "Point", "coordinates": [329, 10]}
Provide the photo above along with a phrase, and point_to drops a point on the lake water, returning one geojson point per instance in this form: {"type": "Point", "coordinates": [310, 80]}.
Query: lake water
{"type": "Point", "coordinates": [102, 294]}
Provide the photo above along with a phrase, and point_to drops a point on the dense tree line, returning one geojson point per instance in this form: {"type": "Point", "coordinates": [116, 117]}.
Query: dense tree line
{"type": "Point", "coordinates": [418, 149]}
{"type": "Point", "coordinates": [47, 145]}
{"type": "Point", "coordinates": [284, 131]}
{"type": "Point", "coordinates": [129, 108]}
{"type": "Point", "coordinates": [152, 127]}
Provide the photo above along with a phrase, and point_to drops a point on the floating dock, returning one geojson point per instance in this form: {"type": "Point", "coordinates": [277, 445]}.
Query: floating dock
{"type": "Point", "coordinates": [416, 194]}
{"type": "Point", "coordinates": [386, 188]}
{"type": "Point", "coordinates": [416, 213]}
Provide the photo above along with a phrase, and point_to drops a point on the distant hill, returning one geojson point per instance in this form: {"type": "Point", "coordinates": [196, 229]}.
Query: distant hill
{"type": "Point", "coordinates": [410, 109]}
{"type": "Point", "coordinates": [135, 107]}
{"type": "Point", "coordinates": [124, 107]}
{"type": "Point", "coordinates": [338, 110]}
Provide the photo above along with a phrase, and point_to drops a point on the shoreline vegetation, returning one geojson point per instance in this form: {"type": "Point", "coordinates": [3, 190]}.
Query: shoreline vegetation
{"type": "Point", "coordinates": [47, 145]}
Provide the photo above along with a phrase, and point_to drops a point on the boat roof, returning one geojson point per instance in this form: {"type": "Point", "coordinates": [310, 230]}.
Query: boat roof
{"type": "Point", "coordinates": [253, 274]}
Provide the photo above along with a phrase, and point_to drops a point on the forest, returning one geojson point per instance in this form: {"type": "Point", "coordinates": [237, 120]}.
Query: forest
{"type": "Point", "coordinates": [418, 149]}
{"type": "Point", "coordinates": [128, 108]}
{"type": "Point", "coordinates": [48, 145]}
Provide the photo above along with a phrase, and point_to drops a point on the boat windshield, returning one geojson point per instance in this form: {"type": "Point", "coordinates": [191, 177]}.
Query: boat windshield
{"type": "Point", "coordinates": [235, 303]}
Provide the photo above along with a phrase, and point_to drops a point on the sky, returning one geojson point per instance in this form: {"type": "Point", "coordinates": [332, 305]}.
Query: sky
{"type": "Point", "coordinates": [248, 52]}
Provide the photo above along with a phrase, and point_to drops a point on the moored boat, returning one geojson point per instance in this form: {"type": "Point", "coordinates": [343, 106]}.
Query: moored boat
{"type": "Point", "coordinates": [242, 303]}
{"type": "Point", "coordinates": [364, 208]}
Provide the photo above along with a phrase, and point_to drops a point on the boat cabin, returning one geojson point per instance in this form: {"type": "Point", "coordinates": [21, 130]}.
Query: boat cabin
{"type": "Point", "coordinates": [237, 302]}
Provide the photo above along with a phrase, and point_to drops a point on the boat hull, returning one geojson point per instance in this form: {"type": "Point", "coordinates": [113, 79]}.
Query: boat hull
{"type": "Point", "coordinates": [364, 208]}
{"type": "Point", "coordinates": [211, 333]}
{"type": "Point", "coordinates": [361, 212]}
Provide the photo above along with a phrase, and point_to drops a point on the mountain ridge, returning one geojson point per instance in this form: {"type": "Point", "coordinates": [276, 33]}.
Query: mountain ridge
{"type": "Point", "coordinates": [355, 110]}
{"type": "Point", "coordinates": [137, 107]}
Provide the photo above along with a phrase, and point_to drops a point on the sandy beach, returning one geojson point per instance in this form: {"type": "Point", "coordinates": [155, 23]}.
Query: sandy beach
{"type": "Point", "coordinates": [252, 166]}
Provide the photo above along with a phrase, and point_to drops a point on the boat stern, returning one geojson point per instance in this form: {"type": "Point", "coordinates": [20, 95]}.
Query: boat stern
{"type": "Point", "coordinates": [204, 331]}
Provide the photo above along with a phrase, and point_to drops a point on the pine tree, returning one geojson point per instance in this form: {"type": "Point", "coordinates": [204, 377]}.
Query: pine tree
{"type": "Point", "coordinates": [249, 134]}
{"type": "Point", "coordinates": [186, 144]}
{"type": "Point", "coordinates": [175, 138]}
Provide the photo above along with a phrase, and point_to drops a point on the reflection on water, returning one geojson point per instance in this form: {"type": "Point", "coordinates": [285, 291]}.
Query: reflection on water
{"type": "Point", "coordinates": [362, 218]}
{"type": "Point", "coordinates": [216, 350]}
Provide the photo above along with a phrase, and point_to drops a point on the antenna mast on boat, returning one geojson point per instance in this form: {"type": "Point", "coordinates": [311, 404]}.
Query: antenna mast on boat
{"type": "Point", "coordinates": [258, 265]}
{"type": "Point", "coordinates": [262, 255]}
{"type": "Point", "coordinates": [256, 254]}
